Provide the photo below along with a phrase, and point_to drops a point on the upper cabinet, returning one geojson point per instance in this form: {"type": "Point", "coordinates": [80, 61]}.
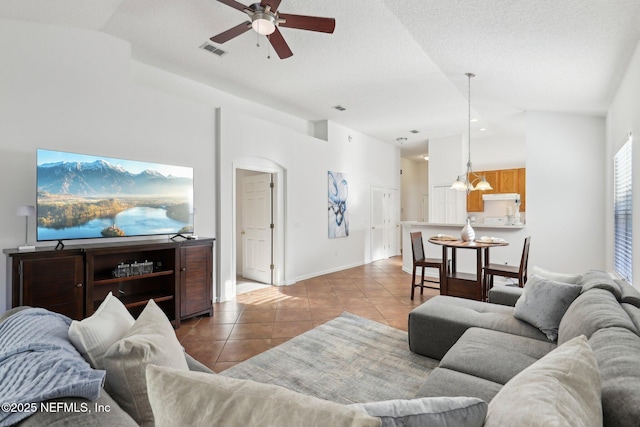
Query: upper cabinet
{"type": "Point", "coordinates": [502, 181]}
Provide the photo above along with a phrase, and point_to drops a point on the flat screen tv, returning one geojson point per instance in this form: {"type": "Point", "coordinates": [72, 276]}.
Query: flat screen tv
{"type": "Point", "coordinates": [86, 197]}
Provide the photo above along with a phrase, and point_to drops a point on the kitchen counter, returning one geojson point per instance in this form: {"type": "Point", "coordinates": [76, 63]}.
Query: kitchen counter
{"type": "Point", "coordinates": [473, 225]}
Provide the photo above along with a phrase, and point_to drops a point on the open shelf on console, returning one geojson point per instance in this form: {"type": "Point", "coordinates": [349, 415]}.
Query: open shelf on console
{"type": "Point", "coordinates": [108, 280]}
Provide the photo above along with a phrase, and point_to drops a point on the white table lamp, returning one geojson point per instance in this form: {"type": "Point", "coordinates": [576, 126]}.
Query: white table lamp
{"type": "Point", "coordinates": [26, 212]}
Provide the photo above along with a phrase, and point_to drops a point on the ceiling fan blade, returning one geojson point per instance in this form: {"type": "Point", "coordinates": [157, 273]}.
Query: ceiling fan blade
{"type": "Point", "coordinates": [279, 45]}
{"type": "Point", "coordinates": [234, 4]}
{"type": "Point", "coordinates": [231, 33]}
{"type": "Point", "coordinates": [273, 3]}
{"type": "Point", "coordinates": [310, 23]}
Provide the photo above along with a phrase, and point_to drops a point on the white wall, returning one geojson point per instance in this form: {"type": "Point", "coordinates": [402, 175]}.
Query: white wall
{"type": "Point", "coordinates": [80, 91]}
{"type": "Point", "coordinates": [498, 152]}
{"type": "Point", "coordinates": [447, 159]}
{"type": "Point", "coordinates": [565, 191]}
{"type": "Point", "coordinates": [624, 117]}
{"type": "Point", "coordinates": [305, 161]}
{"type": "Point", "coordinates": [70, 90]}
{"type": "Point", "coordinates": [415, 185]}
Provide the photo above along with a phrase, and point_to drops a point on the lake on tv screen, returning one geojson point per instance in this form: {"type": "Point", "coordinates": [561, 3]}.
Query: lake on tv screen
{"type": "Point", "coordinates": [138, 221]}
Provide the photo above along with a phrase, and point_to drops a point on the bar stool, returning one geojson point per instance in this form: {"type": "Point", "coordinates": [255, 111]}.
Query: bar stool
{"type": "Point", "coordinates": [419, 260]}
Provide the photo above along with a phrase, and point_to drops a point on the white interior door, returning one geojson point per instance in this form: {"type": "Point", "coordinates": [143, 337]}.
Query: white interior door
{"type": "Point", "coordinates": [385, 223]}
{"type": "Point", "coordinates": [393, 223]}
{"type": "Point", "coordinates": [447, 206]}
{"type": "Point", "coordinates": [256, 228]}
{"type": "Point", "coordinates": [378, 226]}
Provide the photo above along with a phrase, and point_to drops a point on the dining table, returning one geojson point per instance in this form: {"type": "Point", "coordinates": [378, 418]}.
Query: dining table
{"type": "Point", "coordinates": [462, 284]}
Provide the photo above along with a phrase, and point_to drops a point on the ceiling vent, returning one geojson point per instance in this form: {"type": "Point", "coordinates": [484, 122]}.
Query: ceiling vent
{"type": "Point", "coordinates": [414, 131]}
{"type": "Point", "coordinates": [339, 108]}
{"type": "Point", "coordinates": [213, 49]}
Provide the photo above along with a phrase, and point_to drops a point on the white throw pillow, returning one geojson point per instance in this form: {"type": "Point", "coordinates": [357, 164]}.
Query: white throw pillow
{"type": "Point", "coordinates": [556, 277]}
{"type": "Point", "coordinates": [561, 389]}
{"type": "Point", "coordinates": [93, 336]}
{"type": "Point", "coordinates": [428, 411]}
{"type": "Point", "coordinates": [151, 340]}
{"type": "Point", "coordinates": [201, 399]}
{"type": "Point", "coordinates": [544, 302]}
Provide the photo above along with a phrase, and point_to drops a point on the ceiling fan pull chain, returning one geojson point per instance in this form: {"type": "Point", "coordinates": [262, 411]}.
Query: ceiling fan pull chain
{"type": "Point", "coordinates": [258, 39]}
{"type": "Point", "coordinates": [269, 48]}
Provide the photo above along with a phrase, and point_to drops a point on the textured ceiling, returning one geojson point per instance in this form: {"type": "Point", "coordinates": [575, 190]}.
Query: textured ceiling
{"type": "Point", "coordinates": [396, 65]}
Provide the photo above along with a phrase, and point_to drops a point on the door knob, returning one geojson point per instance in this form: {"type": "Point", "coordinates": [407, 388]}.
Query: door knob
{"type": "Point", "coordinates": [78, 285]}
{"type": "Point", "coordinates": [242, 232]}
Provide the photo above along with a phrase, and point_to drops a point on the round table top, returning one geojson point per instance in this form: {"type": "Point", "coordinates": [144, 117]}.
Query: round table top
{"type": "Point", "coordinates": [472, 245]}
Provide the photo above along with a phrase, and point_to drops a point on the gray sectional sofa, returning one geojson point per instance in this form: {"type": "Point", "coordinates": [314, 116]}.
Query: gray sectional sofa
{"type": "Point", "coordinates": [482, 346]}
{"type": "Point", "coordinates": [486, 352]}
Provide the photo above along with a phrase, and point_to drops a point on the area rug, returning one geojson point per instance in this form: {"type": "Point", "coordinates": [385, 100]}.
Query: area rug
{"type": "Point", "coordinates": [347, 360]}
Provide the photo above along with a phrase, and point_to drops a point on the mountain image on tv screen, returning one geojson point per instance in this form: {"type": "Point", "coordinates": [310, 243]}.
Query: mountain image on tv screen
{"type": "Point", "coordinates": [82, 197]}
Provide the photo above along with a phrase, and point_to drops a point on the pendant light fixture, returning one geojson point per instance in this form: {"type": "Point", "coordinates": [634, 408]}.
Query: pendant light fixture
{"type": "Point", "coordinates": [466, 182]}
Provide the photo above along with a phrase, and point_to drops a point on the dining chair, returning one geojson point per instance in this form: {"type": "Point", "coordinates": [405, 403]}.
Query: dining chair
{"type": "Point", "coordinates": [513, 271]}
{"type": "Point", "coordinates": [419, 261]}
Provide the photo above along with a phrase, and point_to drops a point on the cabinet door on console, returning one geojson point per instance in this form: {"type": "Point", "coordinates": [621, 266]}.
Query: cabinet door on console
{"type": "Point", "coordinates": [55, 283]}
{"type": "Point", "coordinates": [196, 279]}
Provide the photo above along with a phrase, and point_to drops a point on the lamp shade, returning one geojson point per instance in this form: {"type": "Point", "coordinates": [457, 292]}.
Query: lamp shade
{"type": "Point", "coordinates": [483, 185]}
{"type": "Point", "coordinates": [459, 185]}
{"type": "Point", "coordinates": [26, 211]}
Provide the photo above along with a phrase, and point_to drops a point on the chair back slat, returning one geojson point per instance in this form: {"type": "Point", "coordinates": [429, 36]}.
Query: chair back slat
{"type": "Point", "coordinates": [416, 246]}
{"type": "Point", "coordinates": [524, 262]}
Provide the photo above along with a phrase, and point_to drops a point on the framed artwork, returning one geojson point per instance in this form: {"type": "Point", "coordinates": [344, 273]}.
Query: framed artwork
{"type": "Point", "coordinates": [338, 186]}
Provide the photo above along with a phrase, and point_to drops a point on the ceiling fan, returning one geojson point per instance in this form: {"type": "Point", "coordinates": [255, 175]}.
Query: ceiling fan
{"type": "Point", "coordinates": [265, 20]}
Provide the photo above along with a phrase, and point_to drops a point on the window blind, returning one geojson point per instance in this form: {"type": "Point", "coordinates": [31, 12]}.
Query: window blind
{"type": "Point", "coordinates": [623, 206]}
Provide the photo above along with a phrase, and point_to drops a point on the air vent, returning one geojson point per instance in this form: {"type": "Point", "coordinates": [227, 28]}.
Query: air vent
{"type": "Point", "coordinates": [339, 108]}
{"type": "Point", "coordinates": [213, 49]}
{"type": "Point", "coordinates": [414, 131]}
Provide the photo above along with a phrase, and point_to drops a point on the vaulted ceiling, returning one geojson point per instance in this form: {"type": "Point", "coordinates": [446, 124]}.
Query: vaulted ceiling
{"type": "Point", "coordinates": [395, 65]}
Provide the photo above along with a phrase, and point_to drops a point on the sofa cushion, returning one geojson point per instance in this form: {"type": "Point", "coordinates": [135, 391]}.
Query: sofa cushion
{"type": "Point", "coordinates": [596, 279]}
{"type": "Point", "coordinates": [556, 277]}
{"type": "Point", "coordinates": [505, 295]}
{"type": "Point", "coordinates": [446, 382]}
{"type": "Point", "coordinates": [544, 302]}
{"type": "Point", "coordinates": [151, 340]}
{"type": "Point", "coordinates": [494, 356]}
{"type": "Point", "coordinates": [94, 335]}
{"type": "Point", "coordinates": [183, 398]}
{"type": "Point", "coordinates": [429, 411]}
{"type": "Point", "coordinates": [617, 351]}
{"type": "Point", "coordinates": [562, 388]}
{"type": "Point", "coordinates": [630, 294]}
{"type": "Point", "coordinates": [591, 311]}
{"type": "Point", "coordinates": [437, 324]}
{"type": "Point", "coordinates": [633, 312]}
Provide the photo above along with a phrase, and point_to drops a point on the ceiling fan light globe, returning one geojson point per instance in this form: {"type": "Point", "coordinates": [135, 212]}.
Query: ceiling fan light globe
{"type": "Point", "coordinates": [263, 23]}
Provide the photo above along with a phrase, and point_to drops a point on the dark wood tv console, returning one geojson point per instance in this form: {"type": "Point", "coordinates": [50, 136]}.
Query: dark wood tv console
{"type": "Point", "coordinates": [74, 281]}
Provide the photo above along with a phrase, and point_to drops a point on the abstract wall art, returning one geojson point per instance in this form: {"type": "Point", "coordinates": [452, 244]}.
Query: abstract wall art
{"type": "Point", "coordinates": [338, 207]}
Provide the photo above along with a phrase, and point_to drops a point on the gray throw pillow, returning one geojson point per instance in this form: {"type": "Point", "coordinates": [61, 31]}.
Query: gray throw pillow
{"type": "Point", "coordinates": [544, 302]}
{"type": "Point", "coordinates": [151, 340]}
{"type": "Point", "coordinates": [428, 411]}
{"type": "Point", "coordinates": [185, 398]}
{"type": "Point", "coordinates": [561, 389]}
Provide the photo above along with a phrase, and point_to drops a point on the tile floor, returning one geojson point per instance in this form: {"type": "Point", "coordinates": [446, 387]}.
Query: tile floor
{"type": "Point", "coordinates": [259, 320]}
